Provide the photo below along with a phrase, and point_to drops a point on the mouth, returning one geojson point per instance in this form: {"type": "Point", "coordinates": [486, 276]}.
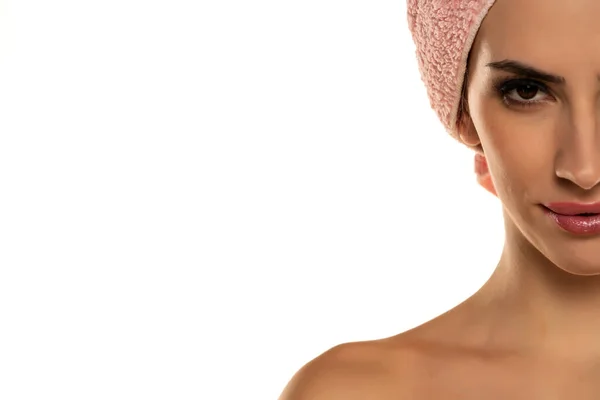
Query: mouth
{"type": "Point", "coordinates": [574, 209]}
{"type": "Point", "coordinates": [575, 218]}
{"type": "Point", "coordinates": [585, 214]}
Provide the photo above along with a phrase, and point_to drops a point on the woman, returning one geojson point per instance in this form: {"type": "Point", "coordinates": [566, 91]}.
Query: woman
{"type": "Point", "coordinates": [531, 109]}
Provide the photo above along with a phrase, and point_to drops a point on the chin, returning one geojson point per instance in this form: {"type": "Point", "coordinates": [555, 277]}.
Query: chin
{"type": "Point", "coordinates": [574, 255]}
{"type": "Point", "coordinates": [583, 260]}
{"type": "Point", "coordinates": [541, 241]}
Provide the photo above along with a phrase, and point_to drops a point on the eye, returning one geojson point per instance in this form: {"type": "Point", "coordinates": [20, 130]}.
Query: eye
{"type": "Point", "coordinates": [523, 92]}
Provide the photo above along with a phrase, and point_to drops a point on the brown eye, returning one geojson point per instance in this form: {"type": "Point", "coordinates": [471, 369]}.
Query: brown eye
{"type": "Point", "coordinates": [527, 92]}
{"type": "Point", "coordinates": [522, 92]}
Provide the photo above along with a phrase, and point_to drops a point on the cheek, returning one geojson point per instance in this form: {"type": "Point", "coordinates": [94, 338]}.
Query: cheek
{"type": "Point", "coordinates": [518, 148]}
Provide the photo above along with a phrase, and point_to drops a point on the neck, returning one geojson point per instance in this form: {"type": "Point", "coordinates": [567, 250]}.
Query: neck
{"type": "Point", "coordinates": [531, 303]}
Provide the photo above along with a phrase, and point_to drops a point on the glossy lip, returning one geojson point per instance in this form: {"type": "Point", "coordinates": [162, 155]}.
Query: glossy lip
{"type": "Point", "coordinates": [568, 217]}
{"type": "Point", "coordinates": [573, 208]}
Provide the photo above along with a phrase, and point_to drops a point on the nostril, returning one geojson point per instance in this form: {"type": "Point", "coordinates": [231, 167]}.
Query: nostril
{"type": "Point", "coordinates": [584, 179]}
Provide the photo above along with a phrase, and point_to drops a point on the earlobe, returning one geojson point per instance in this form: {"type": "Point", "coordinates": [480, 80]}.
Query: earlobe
{"type": "Point", "coordinates": [483, 174]}
{"type": "Point", "coordinates": [469, 136]}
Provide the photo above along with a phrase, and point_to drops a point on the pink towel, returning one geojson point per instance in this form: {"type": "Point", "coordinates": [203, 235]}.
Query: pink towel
{"type": "Point", "coordinates": [443, 32]}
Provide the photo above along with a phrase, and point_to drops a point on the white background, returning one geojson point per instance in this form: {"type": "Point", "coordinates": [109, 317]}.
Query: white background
{"type": "Point", "coordinates": [198, 197]}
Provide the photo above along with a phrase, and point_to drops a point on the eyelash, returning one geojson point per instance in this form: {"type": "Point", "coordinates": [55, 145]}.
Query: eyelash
{"type": "Point", "coordinates": [504, 87]}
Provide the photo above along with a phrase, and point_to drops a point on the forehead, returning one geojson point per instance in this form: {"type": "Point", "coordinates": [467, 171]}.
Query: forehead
{"type": "Point", "coordinates": [559, 35]}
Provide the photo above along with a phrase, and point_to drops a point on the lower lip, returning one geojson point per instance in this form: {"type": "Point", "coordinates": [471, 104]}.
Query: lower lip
{"type": "Point", "coordinates": [576, 224]}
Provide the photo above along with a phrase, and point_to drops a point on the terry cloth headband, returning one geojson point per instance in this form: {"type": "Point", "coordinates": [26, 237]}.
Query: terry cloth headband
{"type": "Point", "coordinates": [443, 32]}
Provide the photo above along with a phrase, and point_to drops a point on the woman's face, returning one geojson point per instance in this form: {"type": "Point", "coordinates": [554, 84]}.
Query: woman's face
{"type": "Point", "coordinates": [534, 105]}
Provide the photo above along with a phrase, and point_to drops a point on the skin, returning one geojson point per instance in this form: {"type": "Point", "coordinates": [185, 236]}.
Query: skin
{"type": "Point", "coordinates": [531, 332]}
{"type": "Point", "coordinates": [484, 178]}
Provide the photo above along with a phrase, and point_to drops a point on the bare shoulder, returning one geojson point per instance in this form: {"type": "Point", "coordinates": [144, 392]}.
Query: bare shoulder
{"type": "Point", "coordinates": [373, 369]}
{"type": "Point", "coordinates": [425, 362]}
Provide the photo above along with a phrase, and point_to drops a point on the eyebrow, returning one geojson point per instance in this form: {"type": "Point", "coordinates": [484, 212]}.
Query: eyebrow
{"type": "Point", "coordinates": [526, 71]}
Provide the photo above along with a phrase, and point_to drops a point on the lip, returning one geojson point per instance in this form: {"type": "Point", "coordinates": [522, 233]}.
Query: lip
{"type": "Point", "coordinates": [574, 208]}
{"type": "Point", "coordinates": [568, 217]}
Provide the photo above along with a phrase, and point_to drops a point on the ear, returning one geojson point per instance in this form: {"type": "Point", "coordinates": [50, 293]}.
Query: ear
{"type": "Point", "coordinates": [483, 174]}
{"type": "Point", "coordinates": [467, 133]}
{"type": "Point", "coordinates": [469, 136]}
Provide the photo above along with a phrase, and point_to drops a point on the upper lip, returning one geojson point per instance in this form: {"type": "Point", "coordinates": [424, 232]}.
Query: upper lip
{"type": "Point", "coordinates": [574, 208]}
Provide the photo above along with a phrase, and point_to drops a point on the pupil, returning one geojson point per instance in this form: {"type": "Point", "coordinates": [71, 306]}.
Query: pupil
{"type": "Point", "coordinates": [527, 92]}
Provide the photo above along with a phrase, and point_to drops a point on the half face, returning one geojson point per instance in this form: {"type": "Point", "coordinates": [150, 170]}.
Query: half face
{"type": "Point", "coordinates": [534, 106]}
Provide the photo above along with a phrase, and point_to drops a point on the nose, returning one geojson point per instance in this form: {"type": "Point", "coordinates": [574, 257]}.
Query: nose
{"type": "Point", "coordinates": [578, 160]}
